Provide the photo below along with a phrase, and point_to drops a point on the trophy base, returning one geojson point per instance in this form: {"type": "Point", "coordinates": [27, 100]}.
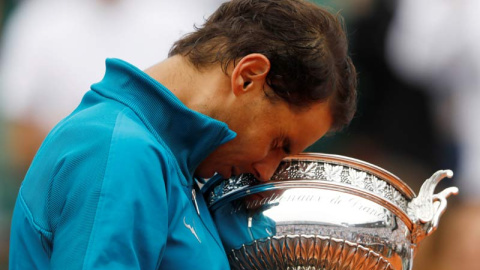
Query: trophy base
{"type": "Point", "coordinates": [306, 252]}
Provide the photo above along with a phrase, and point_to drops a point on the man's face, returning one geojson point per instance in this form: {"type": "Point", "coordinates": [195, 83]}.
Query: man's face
{"type": "Point", "coordinates": [266, 133]}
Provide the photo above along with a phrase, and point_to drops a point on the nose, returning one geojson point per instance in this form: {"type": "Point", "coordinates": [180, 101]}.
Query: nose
{"type": "Point", "coordinates": [265, 168]}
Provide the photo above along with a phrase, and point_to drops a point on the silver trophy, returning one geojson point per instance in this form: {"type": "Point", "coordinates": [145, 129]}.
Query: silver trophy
{"type": "Point", "coordinates": [324, 212]}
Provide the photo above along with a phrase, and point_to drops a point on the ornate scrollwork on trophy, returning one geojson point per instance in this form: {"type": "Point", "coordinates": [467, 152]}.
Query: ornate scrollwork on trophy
{"type": "Point", "coordinates": [311, 252]}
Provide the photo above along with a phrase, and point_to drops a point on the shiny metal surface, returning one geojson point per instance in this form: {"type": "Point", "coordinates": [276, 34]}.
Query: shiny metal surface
{"type": "Point", "coordinates": [324, 212]}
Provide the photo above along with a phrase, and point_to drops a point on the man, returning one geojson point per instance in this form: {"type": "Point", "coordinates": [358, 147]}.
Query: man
{"type": "Point", "coordinates": [113, 185]}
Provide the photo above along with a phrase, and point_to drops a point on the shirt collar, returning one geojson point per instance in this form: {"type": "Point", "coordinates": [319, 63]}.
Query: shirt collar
{"type": "Point", "coordinates": [191, 136]}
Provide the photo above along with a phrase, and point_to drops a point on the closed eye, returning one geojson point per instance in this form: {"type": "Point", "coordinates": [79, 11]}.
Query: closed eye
{"type": "Point", "coordinates": [286, 147]}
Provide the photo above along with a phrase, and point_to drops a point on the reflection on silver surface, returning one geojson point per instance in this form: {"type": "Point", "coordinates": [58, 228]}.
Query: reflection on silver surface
{"type": "Point", "coordinates": [324, 212]}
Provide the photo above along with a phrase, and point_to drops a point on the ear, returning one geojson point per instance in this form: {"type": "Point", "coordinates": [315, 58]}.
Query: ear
{"type": "Point", "coordinates": [250, 73]}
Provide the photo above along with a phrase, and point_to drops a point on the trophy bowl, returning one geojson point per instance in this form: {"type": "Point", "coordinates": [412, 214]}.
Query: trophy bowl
{"type": "Point", "coordinates": [324, 212]}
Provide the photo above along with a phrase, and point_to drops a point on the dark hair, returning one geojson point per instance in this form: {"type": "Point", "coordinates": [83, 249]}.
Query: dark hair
{"type": "Point", "coordinates": [306, 45]}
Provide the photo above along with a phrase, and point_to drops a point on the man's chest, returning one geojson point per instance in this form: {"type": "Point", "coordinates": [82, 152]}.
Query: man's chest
{"type": "Point", "coordinates": [192, 242]}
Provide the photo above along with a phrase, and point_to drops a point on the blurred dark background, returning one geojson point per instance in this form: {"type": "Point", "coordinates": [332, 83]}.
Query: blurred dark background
{"type": "Point", "coordinates": [394, 126]}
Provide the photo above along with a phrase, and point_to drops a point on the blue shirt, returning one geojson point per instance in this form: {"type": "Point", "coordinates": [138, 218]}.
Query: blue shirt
{"type": "Point", "coordinates": [111, 186]}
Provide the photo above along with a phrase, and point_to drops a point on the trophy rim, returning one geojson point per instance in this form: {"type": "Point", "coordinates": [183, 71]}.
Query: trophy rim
{"type": "Point", "coordinates": [375, 170]}
{"type": "Point", "coordinates": [234, 192]}
{"type": "Point", "coordinates": [389, 177]}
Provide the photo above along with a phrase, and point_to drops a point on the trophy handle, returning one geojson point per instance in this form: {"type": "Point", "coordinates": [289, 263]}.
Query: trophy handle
{"type": "Point", "coordinates": [426, 209]}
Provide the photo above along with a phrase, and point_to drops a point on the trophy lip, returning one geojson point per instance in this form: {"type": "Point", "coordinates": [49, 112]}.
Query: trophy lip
{"type": "Point", "coordinates": [389, 177]}
{"type": "Point", "coordinates": [395, 182]}
{"type": "Point", "coordinates": [340, 159]}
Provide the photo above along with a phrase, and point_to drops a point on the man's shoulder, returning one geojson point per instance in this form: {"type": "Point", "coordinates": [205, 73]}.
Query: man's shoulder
{"type": "Point", "coordinates": [93, 130]}
{"type": "Point", "coordinates": [100, 122]}
{"type": "Point", "coordinates": [131, 133]}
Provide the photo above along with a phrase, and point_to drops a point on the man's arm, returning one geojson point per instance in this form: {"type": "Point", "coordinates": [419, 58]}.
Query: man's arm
{"type": "Point", "coordinates": [130, 225]}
